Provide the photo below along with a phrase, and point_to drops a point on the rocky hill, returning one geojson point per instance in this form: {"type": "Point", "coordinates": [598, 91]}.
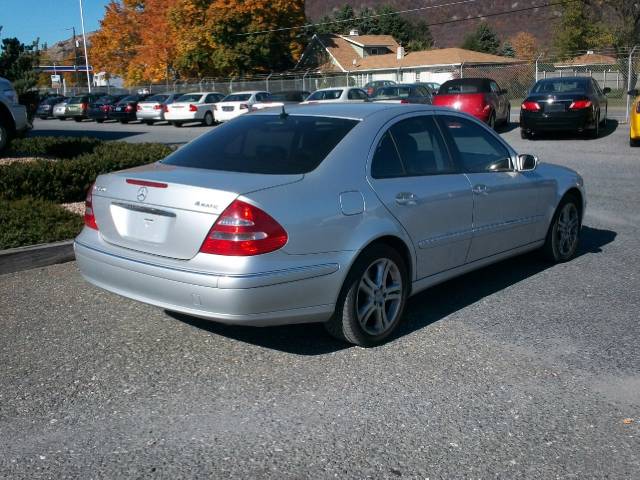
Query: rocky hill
{"type": "Point", "coordinates": [62, 51]}
{"type": "Point", "coordinates": [539, 22]}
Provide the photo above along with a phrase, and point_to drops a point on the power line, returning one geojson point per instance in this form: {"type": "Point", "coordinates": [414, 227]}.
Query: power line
{"type": "Point", "coordinates": [377, 15]}
{"type": "Point", "coordinates": [400, 12]}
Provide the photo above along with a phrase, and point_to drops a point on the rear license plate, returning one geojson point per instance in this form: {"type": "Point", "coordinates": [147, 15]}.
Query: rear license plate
{"type": "Point", "coordinates": [118, 109]}
{"type": "Point", "coordinates": [554, 107]}
{"type": "Point", "coordinates": [227, 109]}
{"type": "Point", "coordinates": [146, 224]}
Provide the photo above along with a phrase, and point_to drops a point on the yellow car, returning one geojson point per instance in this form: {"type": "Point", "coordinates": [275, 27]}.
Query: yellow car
{"type": "Point", "coordinates": [634, 120]}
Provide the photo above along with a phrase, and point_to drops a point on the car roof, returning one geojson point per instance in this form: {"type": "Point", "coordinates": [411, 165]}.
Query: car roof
{"type": "Point", "coordinates": [348, 110]}
{"type": "Point", "coordinates": [246, 92]}
{"type": "Point", "coordinates": [570, 79]}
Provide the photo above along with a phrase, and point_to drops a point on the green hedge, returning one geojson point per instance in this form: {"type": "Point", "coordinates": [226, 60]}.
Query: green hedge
{"type": "Point", "coordinates": [68, 180]}
{"type": "Point", "coordinates": [58, 147]}
{"type": "Point", "coordinates": [31, 221]}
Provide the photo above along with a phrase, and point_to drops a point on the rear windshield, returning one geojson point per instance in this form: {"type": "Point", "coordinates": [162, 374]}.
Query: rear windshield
{"type": "Point", "coordinates": [325, 95]}
{"type": "Point", "coordinates": [189, 97]}
{"type": "Point", "coordinates": [288, 96]}
{"type": "Point", "coordinates": [76, 100]}
{"type": "Point", "coordinates": [237, 97]}
{"type": "Point", "coordinates": [462, 86]}
{"type": "Point", "coordinates": [130, 98]}
{"type": "Point", "coordinates": [392, 92]}
{"type": "Point", "coordinates": [560, 86]}
{"type": "Point", "coordinates": [157, 98]}
{"type": "Point", "coordinates": [266, 144]}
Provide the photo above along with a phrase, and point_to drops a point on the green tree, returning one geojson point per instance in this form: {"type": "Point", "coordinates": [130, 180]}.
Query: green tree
{"type": "Point", "coordinates": [483, 39]}
{"type": "Point", "coordinates": [578, 31]}
{"type": "Point", "coordinates": [507, 49]}
{"type": "Point", "coordinates": [18, 62]}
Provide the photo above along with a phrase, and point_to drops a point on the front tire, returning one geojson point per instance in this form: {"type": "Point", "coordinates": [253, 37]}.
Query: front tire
{"type": "Point", "coordinates": [634, 142]}
{"type": "Point", "coordinates": [372, 299]}
{"type": "Point", "coordinates": [563, 236]}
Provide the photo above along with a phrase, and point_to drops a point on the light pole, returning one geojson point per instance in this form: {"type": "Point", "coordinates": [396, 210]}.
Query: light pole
{"type": "Point", "coordinates": [84, 42]}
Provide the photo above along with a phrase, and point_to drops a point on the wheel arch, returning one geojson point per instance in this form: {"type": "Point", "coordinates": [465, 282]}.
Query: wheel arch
{"type": "Point", "coordinates": [574, 192]}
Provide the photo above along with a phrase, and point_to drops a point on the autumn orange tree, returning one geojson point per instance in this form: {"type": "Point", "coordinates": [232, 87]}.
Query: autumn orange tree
{"type": "Point", "coordinates": [156, 40]}
{"type": "Point", "coordinates": [524, 45]}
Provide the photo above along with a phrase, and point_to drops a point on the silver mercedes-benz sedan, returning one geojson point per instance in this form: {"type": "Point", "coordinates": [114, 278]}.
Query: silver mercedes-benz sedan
{"type": "Point", "coordinates": [324, 213]}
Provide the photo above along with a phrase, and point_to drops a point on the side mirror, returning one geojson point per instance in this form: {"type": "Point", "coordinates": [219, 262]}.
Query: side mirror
{"type": "Point", "coordinates": [634, 93]}
{"type": "Point", "coordinates": [503, 165]}
{"type": "Point", "coordinates": [606, 90]}
{"type": "Point", "coordinates": [527, 162]}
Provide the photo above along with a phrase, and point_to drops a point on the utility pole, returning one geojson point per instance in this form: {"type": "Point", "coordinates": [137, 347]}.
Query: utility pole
{"type": "Point", "coordinates": [75, 54]}
{"type": "Point", "coordinates": [84, 42]}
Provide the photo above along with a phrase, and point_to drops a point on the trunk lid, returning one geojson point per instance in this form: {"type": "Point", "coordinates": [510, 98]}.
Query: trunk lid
{"type": "Point", "coordinates": [167, 210]}
{"type": "Point", "coordinates": [555, 103]}
{"type": "Point", "coordinates": [469, 102]}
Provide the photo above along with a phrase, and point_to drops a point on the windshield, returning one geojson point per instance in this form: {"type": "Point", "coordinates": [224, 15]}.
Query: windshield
{"type": "Point", "coordinates": [325, 95]}
{"type": "Point", "coordinates": [560, 86]}
{"type": "Point", "coordinates": [237, 97]}
{"type": "Point", "coordinates": [266, 144]}
{"type": "Point", "coordinates": [189, 97]}
{"type": "Point", "coordinates": [392, 92]}
{"type": "Point", "coordinates": [157, 98]}
{"type": "Point", "coordinates": [461, 86]}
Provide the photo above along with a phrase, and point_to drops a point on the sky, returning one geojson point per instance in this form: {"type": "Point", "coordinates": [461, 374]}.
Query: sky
{"type": "Point", "coordinates": [47, 19]}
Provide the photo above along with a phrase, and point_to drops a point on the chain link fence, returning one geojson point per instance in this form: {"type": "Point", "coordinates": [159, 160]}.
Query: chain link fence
{"type": "Point", "coordinates": [616, 70]}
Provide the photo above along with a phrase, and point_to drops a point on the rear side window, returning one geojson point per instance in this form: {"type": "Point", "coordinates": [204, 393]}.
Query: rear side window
{"type": "Point", "coordinates": [393, 92]}
{"type": "Point", "coordinates": [421, 147]}
{"type": "Point", "coordinates": [478, 150]}
{"type": "Point", "coordinates": [386, 162]}
{"type": "Point", "coordinates": [266, 144]}
{"type": "Point", "coordinates": [325, 95]}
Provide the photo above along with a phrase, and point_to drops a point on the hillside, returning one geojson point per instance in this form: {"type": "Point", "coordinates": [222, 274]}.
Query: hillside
{"type": "Point", "coordinates": [62, 51]}
{"type": "Point", "coordinates": [538, 22]}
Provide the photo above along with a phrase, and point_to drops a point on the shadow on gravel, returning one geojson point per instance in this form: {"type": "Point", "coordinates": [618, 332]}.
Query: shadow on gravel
{"type": "Point", "coordinates": [422, 310]}
{"type": "Point", "coordinates": [101, 134]}
{"type": "Point", "coordinates": [428, 307]}
{"type": "Point", "coordinates": [507, 127]}
{"type": "Point", "coordinates": [607, 129]}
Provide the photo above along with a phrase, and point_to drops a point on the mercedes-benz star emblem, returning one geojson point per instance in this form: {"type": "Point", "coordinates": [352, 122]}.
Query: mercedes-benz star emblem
{"type": "Point", "coordinates": [142, 194]}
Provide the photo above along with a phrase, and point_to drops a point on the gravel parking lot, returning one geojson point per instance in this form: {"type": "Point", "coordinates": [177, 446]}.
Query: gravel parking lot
{"type": "Point", "coordinates": [520, 370]}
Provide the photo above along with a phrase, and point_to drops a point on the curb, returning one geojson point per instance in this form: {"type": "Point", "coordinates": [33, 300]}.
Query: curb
{"type": "Point", "coordinates": [24, 258]}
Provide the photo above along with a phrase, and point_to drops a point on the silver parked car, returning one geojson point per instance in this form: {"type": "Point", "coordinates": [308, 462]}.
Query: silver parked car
{"type": "Point", "coordinates": [327, 213]}
{"type": "Point", "coordinates": [152, 109]}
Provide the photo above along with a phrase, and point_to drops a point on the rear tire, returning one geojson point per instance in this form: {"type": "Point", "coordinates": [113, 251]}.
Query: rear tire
{"type": "Point", "coordinates": [148, 122]}
{"type": "Point", "coordinates": [176, 124]}
{"type": "Point", "coordinates": [77, 119]}
{"type": "Point", "coordinates": [62, 118]}
{"type": "Point", "coordinates": [633, 142]}
{"type": "Point", "coordinates": [525, 134]}
{"type": "Point", "coordinates": [563, 235]}
{"type": "Point", "coordinates": [4, 138]}
{"type": "Point", "coordinates": [595, 131]}
{"type": "Point", "coordinates": [372, 299]}
{"type": "Point", "coordinates": [208, 119]}
{"type": "Point", "coordinates": [124, 121]}
{"type": "Point", "coordinates": [492, 121]}
{"type": "Point", "coordinates": [99, 120]}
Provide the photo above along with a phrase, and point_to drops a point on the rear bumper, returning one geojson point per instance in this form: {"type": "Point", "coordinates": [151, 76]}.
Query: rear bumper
{"type": "Point", "coordinates": [122, 116]}
{"type": "Point", "coordinates": [222, 116]}
{"type": "Point", "coordinates": [157, 115]}
{"type": "Point", "coordinates": [186, 116]}
{"type": "Point", "coordinates": [561, 121]}
{"type": "Point", "coordinates": [293, 295]}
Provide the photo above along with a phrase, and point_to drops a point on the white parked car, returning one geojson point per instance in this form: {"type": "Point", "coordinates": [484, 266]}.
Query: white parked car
{"type": "Point", "coordinates": [60, 110]}
{"type": "Point", "coordinates": [239, 103]}
{"type": "Point", "coordinates": [13, 116]}
{"type": "Point", "coordinates": [337, 95]}
{"type": "Point", "coordinates": [193, 107]}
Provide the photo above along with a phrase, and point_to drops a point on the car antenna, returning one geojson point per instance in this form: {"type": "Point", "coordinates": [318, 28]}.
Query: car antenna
{"type": "Point", "coordinates": [283, 114]}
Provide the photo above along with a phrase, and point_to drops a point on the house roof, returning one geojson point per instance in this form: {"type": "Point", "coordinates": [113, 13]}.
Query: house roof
{"type": "Point", "coordinates": [372, 40]}
{"type": "Point", "coordinates": [343, 53]}
{"type": "Point", "coordinates": [590, 59]}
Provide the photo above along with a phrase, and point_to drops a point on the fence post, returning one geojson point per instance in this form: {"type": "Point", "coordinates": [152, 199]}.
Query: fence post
{"type": "Point", "coordinates": [461, 72]}
{"type": "Point", "coordinates": [268, 77]}
{"type": "Point", "coordinates": [537, 60]}
{"type": "Point", "coordinates": [629, 86]}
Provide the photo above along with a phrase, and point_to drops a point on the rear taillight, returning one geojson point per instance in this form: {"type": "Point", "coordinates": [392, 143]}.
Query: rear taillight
{"type": "Point", "coordinates": [244, 106]}
{"type": "Point", "coordinates": [193, 108]}
{"type": "Point", "coordinates": [580, 104]}
{"type": "Point", "coordinates": [404, 100]}
{"type": "Point", "coordinates": [638, 107]}
{"type": "Point", "coordinates": [128, 108]}
{"type": "Point", "coordinates": [104, 108]}
{"type": "Point", "coordinates": [84, 106]}
{"type": "Point", "coordinates": [531, 106]}
{"type": "Point", "coordinates": [157, 107]}
{"type": "Point", "coordinates": [165, 108]}
{"type": "Point", "coordinates": [89, 217]}
{"type": "Point", "coordinates": [244, 230]}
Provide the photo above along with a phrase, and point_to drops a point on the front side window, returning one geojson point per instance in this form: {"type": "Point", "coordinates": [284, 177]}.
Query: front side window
{"type": "Point", "coordinates": [421, 147]}
{"type": "Point", "coordinates": [478, 150]}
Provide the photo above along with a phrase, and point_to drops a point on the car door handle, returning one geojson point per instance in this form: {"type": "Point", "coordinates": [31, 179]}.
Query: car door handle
{"type": "Point", "coordinates": [406, 198]}
{"type": "Point", "coordinates": [480, 190]}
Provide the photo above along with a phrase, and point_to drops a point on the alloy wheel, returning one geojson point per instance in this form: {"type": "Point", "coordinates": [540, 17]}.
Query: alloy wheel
{"type": "Point", "coordinates": [379, 297]}
{"type": "Point", "coordinates": [567, 229]}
